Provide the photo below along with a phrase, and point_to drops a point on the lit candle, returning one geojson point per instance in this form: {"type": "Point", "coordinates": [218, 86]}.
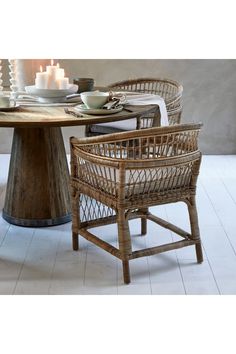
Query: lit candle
{"type": "Point", "coordinates": [52, 69]}
{"type": "Point", "coordinates": [52, 76]}
{"type": "Point", "coordinates": [63, 81]}
{"type": "Point", "coordinates": [41, 81]}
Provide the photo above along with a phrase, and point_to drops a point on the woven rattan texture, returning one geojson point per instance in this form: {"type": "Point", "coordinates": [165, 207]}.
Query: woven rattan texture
{"type": "Point", "coordinates": [117, 177]}
{"type": "Point", "coordinates": [170, 90]}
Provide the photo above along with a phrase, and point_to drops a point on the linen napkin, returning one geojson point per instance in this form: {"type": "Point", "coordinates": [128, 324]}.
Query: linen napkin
{"type": "Point", "coordinates": [115, 100]}
{"type": "Point", "coordinates": [135, 98]}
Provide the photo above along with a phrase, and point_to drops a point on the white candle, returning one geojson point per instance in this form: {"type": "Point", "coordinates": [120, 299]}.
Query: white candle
{"type": "Point", "coordinates": [41, 81]}
{"type": "Point", "coordinates": [52, 69]}
{"type": "Point", "coordinates": [53, 83]}
{"type": "Point", "coordinates": [53, 78]}
{"type": "Point", "coordinates": [64, 82]}
{"type": "Point", "coordinates": [60, 73]}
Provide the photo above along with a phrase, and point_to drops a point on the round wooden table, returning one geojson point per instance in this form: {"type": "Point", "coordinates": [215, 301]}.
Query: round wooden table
{"type": "Point", "coordinates": [37, 192]}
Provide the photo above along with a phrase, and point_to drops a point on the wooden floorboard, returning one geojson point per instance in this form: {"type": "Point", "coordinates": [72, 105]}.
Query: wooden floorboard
{"type": "Point", "coordinates": [41, 261]}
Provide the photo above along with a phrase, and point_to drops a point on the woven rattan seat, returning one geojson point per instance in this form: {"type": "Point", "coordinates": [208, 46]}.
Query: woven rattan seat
{"type": "Point", "coordinates": [170, 90]}
{"type": "Point", "coordinates": [117, 177]}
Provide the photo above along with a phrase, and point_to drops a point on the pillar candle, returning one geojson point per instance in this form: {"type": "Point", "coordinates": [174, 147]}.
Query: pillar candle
{"type": "Point", "coordinates": [41, 81]}
{"type": "Point", "coordinates": [60, 73]}
{"type": "Point", "coordinates": [64, 82]}
{"type": "Point", "coordinates": [53, 78]}
{"type": "Point", "coordinates": [52, 70]}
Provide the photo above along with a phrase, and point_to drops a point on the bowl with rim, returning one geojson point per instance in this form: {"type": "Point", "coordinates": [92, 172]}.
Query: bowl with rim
{"type": "Point", "coordinates": [84, 84]}
{"type": "Point", "coordinates": [51, 95]}
{"type": "Point", "coordinates": [5, 101]}
{"type": "Point", "coordinates": [94, 99]}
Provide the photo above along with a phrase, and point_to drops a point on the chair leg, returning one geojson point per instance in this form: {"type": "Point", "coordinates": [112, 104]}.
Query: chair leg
{"type": "Point", "coordinates": [199, 254]}
{"type": "Point", "coordinates": [75, 220]}
{"type": "Point", "coordinates": [143, 226]}
{"type": "Point", "coordinates": [144, 222]}
{"type": "Point", "coordinates": [195, 229]}
{"type": "Point", "coordinates": [126, 272]}
{"type": "Point", "coordinates": [75, 241]}
{"type": "Point", "coordinates": [124, 244]}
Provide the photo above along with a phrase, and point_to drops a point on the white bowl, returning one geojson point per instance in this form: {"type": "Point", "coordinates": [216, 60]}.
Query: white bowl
{"type": "Point", "coordinates": [94, 99]}
{"type": "Point", "coordinates": [51, 95]}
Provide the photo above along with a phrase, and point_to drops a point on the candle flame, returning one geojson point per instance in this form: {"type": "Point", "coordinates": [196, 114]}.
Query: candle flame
{"type": "Point", "coordinates": [52, 62]}
{"type": "Point", "coordinates": [41, 68]}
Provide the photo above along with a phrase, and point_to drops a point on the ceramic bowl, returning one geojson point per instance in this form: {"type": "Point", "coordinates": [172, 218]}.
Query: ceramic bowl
{"type": "Point", "coordinates": [4, 101]}
{"type": "Point", "coordinates": [84, 84]}
{"type": "Point", "coordinates": [94, 99]}
{"type": "Point", "coordinates": [51, 95]}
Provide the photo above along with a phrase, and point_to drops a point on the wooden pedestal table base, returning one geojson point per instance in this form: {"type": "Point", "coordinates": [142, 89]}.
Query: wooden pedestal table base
{"type": "Point", "coordinates": [37, 191]}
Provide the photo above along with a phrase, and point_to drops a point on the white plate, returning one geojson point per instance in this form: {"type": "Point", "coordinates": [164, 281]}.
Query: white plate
{"type": "Point", "coordinates": [50, 95]}
{"type": "Point", "coordinates": [32, 90]}
{"type": "Point", "coordinates": [9, 109]}
{"type": "Point", "coordinates": [99, 111]}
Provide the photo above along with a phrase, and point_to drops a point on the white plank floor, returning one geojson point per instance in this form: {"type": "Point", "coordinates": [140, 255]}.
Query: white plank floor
{"type": "Point", "coordinates": [41, 261]}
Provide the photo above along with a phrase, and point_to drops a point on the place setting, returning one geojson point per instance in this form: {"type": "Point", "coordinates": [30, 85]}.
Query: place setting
{"type": "Point", "coordinates": [98, 103]}
{"type": "Point", "coordinates": [51, 88]}
{"type": "Point", "coordinates": [8, 105]}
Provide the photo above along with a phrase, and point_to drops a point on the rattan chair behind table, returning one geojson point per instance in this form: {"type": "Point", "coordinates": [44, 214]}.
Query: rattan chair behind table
{"type": "Point", "coordinates": [170, 90]}
{"type": "Point", "coordinates": [117, 177]}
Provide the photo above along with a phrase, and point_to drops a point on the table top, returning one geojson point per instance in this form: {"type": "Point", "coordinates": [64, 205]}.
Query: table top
{"type": "Point", "coordinates": [33, 117]}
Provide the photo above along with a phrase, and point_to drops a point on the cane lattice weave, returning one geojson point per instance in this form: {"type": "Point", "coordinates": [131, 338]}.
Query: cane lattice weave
{"type": "Point", "coordinates": [117, 177]}
{"type": "Point", "coordinates": [170, 90]}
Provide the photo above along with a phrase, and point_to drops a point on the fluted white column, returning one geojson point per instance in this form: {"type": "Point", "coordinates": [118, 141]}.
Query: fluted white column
{"type": "Point", "coordinates": [13, 77]}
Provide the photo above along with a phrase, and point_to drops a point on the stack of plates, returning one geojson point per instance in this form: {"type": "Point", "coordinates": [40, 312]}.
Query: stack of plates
{"type": "Point", "coordinates": [49, 95]}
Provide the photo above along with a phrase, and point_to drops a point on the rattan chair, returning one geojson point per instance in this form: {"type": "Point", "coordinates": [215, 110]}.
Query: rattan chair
{"type": "Point", "coordinates": [117, 177]}
{"type": "Point", "coordinates": [174, 115]}
{"type": "Point", "coordinates": [170, 90]}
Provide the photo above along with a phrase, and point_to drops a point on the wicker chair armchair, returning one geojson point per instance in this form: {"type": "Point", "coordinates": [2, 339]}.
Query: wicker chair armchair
{"type": "Point", "coordinates": [117, 177]}
{"type": "Point", "coordinates": [170, 90]}
{"type": "Point", "coordinates": [174, 115]}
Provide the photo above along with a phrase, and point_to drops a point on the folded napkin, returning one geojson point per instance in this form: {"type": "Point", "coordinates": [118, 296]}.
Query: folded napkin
{"type": "Point", "coordinates": [144, 99]}
{"type": "Point", "coordinates": [135, 98]}
{"type": "Point", "coordinates": [115, 100]}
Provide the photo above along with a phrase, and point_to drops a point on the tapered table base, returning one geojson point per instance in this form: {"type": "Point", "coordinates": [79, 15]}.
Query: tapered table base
{"type": "Point", "coordinates": [37, 191]}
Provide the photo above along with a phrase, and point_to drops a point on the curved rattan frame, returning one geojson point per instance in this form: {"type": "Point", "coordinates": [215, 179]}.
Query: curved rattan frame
{"type": "Point", "coordinates": [117, 177]}
{"type": "Point", "coordinates": [170, 90]}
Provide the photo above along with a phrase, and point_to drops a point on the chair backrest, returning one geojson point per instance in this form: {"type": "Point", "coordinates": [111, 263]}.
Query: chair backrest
{"type": "Point", "coordinates": [139, 162]}
{"type": "Point", "coordinates": [174, 115]}
{"type": "Point", "coordinates": [170, 90]}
